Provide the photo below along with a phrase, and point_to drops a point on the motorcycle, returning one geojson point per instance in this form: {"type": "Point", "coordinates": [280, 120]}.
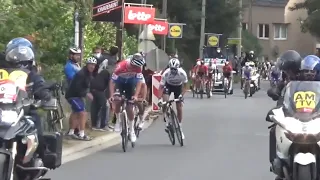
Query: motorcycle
{"type": "Point", "coordinates": [19, 159]}
{"type": "Point", "coordinates": [254, 84]}
{"type": "Point", "coordinates": [297, 131]}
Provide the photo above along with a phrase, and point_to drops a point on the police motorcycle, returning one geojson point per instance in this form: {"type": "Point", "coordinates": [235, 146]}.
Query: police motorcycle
{"type": "Point", "coordinates": [297, 131]}
{"type": "Point", "coordinates": [19, 159]}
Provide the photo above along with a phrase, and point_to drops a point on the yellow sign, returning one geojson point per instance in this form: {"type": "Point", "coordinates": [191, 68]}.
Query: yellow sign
{"type": "Point", "coordinates": [19, 77]}
{"type": "Point", "coordinates": [232, 41]}
{"type": "Point", "coordinates": [175, 31]}
{"type": "Point", "coordinates": [305, 99]}
{"type": "Point", "coordinates": [213, 41]}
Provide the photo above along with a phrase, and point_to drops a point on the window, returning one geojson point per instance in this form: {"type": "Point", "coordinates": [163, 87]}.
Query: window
{"type": "Point", "coordinates": [263, 31]}
{"type": "Point", "coordinates": [280, 31]}
{"type": "Point", "coordinates": [244, 26]}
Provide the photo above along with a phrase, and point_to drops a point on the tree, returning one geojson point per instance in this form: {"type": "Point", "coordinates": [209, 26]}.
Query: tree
{"type": "Point", "coordinates": [251, 43]}
{"type": "Point", "coordinates": [311, 23]}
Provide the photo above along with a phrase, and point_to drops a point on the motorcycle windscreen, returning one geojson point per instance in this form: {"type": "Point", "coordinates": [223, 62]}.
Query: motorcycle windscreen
{"type": "Point", "coordinates": [301, 99]}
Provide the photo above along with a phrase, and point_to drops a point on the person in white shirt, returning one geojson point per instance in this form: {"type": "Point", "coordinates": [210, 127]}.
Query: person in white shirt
{"type": "Point", "coordinates": [212, 67]}
{"type": "Point", "coordinates": [174, 80]}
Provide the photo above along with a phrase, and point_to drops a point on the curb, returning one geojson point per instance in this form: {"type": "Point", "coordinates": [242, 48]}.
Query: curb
{"type": "Point", "coordinates": [105, 138]}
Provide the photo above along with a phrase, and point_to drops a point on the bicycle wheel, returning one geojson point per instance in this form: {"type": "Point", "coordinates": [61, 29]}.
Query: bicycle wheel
{"type": "Point", "coordinates": [225, 88]}
{"type": "Point", "coordinates": [170, 130]}
{"type": "Point", "coordinates": [176, 127]}
{"type": "Point", "coordinates": [137, 129]}
{"type": "Point", "coordinates": [124, 130]}
{"type": "Point", "coordinates": [208, 90]}
{"type": "Point", "coordinates": [246, 90]}
{"type": "Point", "coordinates": [201, 91]}
{"type": "Point", "coordinates": [54, 124]}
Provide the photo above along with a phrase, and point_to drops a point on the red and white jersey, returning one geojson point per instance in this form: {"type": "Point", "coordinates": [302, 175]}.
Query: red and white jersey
{"type": "Point", "coordinates": [125, 71]}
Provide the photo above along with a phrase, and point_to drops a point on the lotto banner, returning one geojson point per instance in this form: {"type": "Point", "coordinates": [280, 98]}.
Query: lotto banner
{"type": "Point", "coordinates": [139, 15]}
{"type": "Point", "coordinates": [159, 27]}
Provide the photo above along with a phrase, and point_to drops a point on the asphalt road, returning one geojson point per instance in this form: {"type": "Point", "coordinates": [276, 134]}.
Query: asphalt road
{"type": "Point", "coordinates": [225, 139]}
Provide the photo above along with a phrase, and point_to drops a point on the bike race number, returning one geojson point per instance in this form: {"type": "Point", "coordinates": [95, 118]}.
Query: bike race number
{"type": "Point", "coordinates": [17, 76]}
{"type": "Point", "coordinates": [305, 100]}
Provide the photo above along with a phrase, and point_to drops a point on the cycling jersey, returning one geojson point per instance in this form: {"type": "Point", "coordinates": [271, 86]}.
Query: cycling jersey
{"type": "Point", "coordinates": [125, 73]}
{"type": "Point", "coordinates": [202, 69]}
{"type": "Point", "coordinates": [275, 73]}
{"type": "Point", "coordinates": [174, 79]}
{"type": "Point", "coordinates": [227, 68]}
{"type": "Point", "coordinates": [247, 72]}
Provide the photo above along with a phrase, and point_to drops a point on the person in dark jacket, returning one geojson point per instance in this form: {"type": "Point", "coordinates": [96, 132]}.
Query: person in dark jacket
{"type": "Point", "coordinates": [99, 110]}
{"type": "Point", "coordinates": [77, 91]}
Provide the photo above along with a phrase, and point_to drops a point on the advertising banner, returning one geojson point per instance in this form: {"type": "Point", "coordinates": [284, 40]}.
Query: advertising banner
{"type": "Point", "coordinates": [159, 27]}
{"type": "Point", "coordinates": [213, 40]}
{"type": "Point", "coordinates": [175, 30]}
{"type": "Point", "coordinates": [107, 10]}
{"type": "Point", "coordinates": [139, 15]}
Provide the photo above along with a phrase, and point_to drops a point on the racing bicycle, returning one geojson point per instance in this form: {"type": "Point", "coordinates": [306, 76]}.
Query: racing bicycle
{"type": "Point", "coordinates": [173, 124]}
{"type": "Point", "coordinates": [137, 119]}
{"type": "Point", "coordinates": [124, 122]}
{"type": "Point", "coordinates": [225, 86]}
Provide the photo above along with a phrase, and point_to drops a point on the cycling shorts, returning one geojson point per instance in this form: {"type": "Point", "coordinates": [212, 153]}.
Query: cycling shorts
{"type": "Point", "coordinates": [77, 104]}
{"type": "Point", "coordinates": [201, 74]}
{"type": "Point", "coordinates": [176, 90]}
{"type": "Point", "coordinates": [126, 88]}
{"type": "Point", "coordinates": [227, 74]}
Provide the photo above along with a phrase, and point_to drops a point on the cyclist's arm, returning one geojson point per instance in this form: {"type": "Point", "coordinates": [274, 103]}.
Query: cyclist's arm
{"type": "Point", "coordinates": [112, 84]}
{"type": "Point", "coordinates": [162, 83]}
{"type": "Point", "coordinates": [140, 80]}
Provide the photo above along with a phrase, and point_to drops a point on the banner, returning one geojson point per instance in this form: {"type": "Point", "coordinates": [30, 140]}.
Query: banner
{"type": "Point", "coordinates": [107, 10]}
{"type": "Point", "coordinates": [139, 15]}
{"type": "Point", "coordinates": [159, 27]}
{"type": "Point", "coordinates": [213, 40]}
{"type": "Point", "coordinates": [175, 30]}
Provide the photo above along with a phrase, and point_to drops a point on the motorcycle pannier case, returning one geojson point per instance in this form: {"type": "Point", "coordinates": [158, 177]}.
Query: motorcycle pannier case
{"type": "Point", "coordinates": [53, 153]}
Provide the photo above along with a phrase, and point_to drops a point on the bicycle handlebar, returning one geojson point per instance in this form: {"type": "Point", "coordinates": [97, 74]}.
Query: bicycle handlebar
{"type": "Point", "coordinates": [169, 102]}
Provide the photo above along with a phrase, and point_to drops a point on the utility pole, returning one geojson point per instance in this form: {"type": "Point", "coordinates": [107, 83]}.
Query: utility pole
{"type": "Point", "coordinates": [164, 16]}
{"type": "Point", "coordinates": [250, 16]}
{"type": "Point", "coordinates": [203, 26]}
{"type": "Point", "coordinates": [240, 30]}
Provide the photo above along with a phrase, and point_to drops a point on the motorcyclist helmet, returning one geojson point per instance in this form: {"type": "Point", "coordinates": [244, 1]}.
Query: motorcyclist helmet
{"type": "Point", "coordinates": [20, 57]}
{"type": "Point", "coordinates": [137, 60]}
{"type": "Point", "coordinates": [309, 67]}
{"type": "Point", "coordinates": [290, 62]}
{"type": "Point", "coordinates": [20, 41]}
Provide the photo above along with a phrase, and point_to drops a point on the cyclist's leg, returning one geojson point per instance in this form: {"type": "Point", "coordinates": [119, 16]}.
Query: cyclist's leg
{"type": "Point", "coordinates": [166, 94]}
{"type": "Point", "coordinates": [129, 93]}
{"type": "Point", "coordinates": [177, 90]}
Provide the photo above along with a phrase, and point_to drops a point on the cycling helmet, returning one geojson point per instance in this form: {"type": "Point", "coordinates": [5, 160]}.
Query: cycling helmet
{"type": "Point", "coordinates": [290, 61]}
{"type": "Point", "coordinates": [247, 64]}
{"type": "Point", "coordinates": [251, 52]}
{"type": "Point", "coordinates": [74, 50]}
{"type": "Point", "coordinates": [91, 60]}
{"type": "Point", "coordinates": [202, 62]}
{"type": "Point", "coordinates": [20, 41]}
{"type": "Point", "coordinates": [137, 60]}
{"type": "Point", "coordinates": [198, 63]}
{"type": "Point", "coordinates": [226, 63]}
{"type": "Point", "coordinates": [174, 63]}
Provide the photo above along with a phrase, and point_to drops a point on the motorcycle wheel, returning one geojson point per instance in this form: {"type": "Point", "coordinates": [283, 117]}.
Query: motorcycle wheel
{"type": "Point", "coordinates": [303, 172]}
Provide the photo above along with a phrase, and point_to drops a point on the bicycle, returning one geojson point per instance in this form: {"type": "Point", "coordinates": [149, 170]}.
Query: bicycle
{"type": "Point", "coordinates": [246, 88]}
{"type": "Point", "coordinates": [173, 125]}
{"type": "Point", "coordinates": [201, 89]}
{"type": "Point", "coordinates": [55, 117]}
{"type": "Point", "coordinates": [124, 123]}
{"type": "Point", "coordinates": [225, 86]}
{"type": "Point", "coordinates": [208, 89]}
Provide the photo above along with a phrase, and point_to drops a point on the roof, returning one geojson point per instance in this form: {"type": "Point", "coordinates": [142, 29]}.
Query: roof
{"type": "Point", "coordinates": [274, 3]}
{"type": "Point", "coordinates": [269, 3]}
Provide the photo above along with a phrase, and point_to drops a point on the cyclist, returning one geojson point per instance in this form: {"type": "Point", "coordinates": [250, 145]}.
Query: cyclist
{"type": "Point", "coordinates": [201, 71]}
{"type": "Point", "coordinates": [212, 70]}
{"type": "Point", "coordinates": [246, 72]}
{"type": "Point", "coordinates": [128, 79]}
{"type": "Point", "coordinates": [174, 80]}
{"type": "Point", "coordinates": [193, 74]}
{"type": "Point", "coordinates": [227, 71]}
{"type": "Point", "coordinates": [275, 73]}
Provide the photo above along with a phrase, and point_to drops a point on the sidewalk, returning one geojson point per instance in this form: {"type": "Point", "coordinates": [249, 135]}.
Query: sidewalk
{"type": "Point", "coordinates": [70, 147]}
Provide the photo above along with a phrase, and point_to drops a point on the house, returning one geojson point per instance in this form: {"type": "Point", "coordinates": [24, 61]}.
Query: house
{"type": "Point", "coordinates": [277, 27]}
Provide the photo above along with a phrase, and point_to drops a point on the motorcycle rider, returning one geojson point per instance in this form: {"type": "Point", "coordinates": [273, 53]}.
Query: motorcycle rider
{"type": "Point", "coordinates": [290, 64]}
{"type": "Point", "coordinates": [20, 57]}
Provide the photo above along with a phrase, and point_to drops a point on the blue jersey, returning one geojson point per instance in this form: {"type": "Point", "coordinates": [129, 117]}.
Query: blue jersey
{"type": "Point", "coordinates": [71, 69]}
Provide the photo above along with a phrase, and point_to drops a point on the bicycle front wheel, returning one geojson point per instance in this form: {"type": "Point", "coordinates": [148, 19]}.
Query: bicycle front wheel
{"type": "Point", "coordinates": [176, 126]}
{"type": "Point", "coordinates": [124, 130]}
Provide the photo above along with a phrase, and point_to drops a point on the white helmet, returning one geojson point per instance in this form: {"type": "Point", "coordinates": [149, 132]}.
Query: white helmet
{"type": "Point", "coordinates": [198, 63]}
{"type": "Point", "coordinates": [174, 63]}
{"type": "Point", "coordinates": [137, 60]}
{"type": "Point", "coordinates": [75, 50]}
{"type": "Point", "coordinates": [247, 64]}
{"type": "Point", "coordinates": [91, 60]}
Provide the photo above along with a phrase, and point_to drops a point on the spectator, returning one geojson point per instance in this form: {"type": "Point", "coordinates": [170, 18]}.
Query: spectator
{"type": "Point", "coordinates": [112, 57]}
{"type": "Point", "coordinates": [98, 87]}
{"type": "Point", "coordinates": [77, 91]}
{"type": "Point", "coordinates": [70, 70]}
{"type": "Point", "coordinates": [97, 53]}
{"type": "Point", "coordinates": [147, 73]}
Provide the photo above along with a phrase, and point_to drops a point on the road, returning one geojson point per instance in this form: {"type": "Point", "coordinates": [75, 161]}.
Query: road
{"type": "Point", "coordinates": [225, 139]}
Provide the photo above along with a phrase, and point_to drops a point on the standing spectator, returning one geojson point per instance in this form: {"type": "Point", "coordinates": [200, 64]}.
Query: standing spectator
{"type": "Point", "coordinates": [112, 57]}
{"type": "Point", "coordinates": [147, 73]}
{"type": "Point", "coordinates": [70, 70]}
{"type": "Point", "coordinates": [99, 109]}
{"type": "Point", "coordinates": [77, 91]}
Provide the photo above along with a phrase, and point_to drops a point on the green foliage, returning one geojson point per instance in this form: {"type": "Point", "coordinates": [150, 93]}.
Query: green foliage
{"type": "Point", "coordinates": [311, 23]}
{"type": "Point", "coordinates": [251, 43]}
